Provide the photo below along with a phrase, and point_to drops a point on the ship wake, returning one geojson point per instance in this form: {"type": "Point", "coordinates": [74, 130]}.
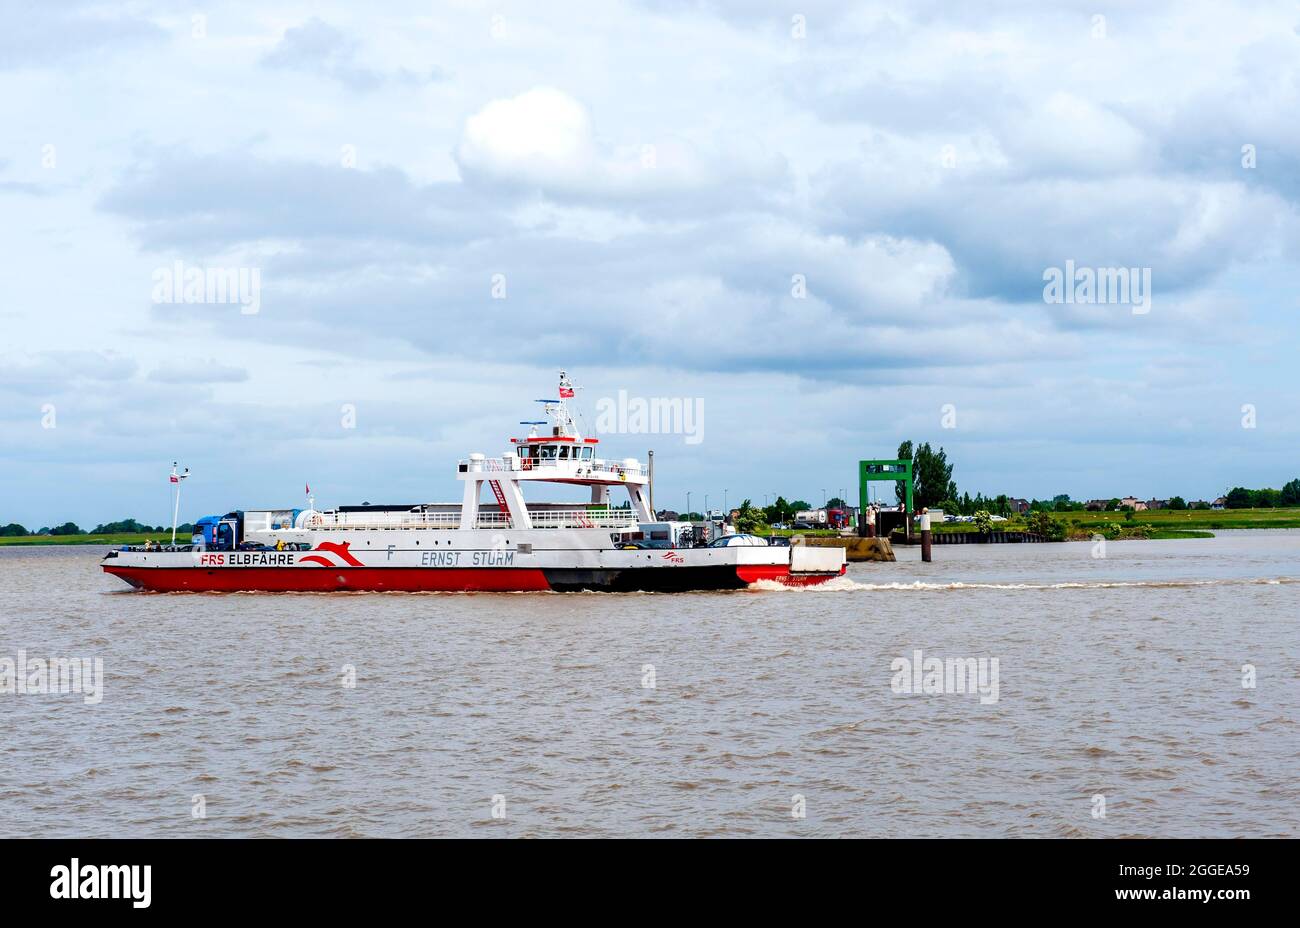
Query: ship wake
{"type": "Point", "coordinates": [846, 585]}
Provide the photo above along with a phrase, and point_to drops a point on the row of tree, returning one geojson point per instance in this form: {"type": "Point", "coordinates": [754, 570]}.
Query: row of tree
{"type": "Point", "coordinates": [934, 488]}
{"type": "Point", "coordinates": [1063, 503]}
{"type": "Point", "coordinates": [14, 530]}
{"type": "Point", "coordinates": [1267, 498]}
{"type": "Point", "coordinates": [125, 527]}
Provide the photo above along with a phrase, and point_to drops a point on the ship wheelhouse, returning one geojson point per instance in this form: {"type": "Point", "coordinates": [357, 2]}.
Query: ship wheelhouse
{"type": "Point", "coordinates": [537, 450]}
{"type": "Point", "coordinates": [562, 456]}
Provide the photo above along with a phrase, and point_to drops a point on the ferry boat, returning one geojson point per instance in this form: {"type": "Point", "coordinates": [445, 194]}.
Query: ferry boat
{"type": "Point", "coordinates": [506, 545]}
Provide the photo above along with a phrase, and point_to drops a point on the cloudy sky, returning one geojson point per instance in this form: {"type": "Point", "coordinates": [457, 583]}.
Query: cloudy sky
{"type": "Point", "coordinates": [828, 223]}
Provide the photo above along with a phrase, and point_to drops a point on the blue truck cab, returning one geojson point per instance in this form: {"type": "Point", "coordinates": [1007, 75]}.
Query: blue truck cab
{"type": "Point", "coordinates": [219, 533]}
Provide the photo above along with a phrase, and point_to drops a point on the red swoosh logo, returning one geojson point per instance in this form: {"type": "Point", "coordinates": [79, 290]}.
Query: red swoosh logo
{"type": "Point", "coordinates": [339, 550]}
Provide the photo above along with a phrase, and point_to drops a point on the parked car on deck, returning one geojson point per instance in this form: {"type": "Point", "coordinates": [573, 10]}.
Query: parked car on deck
{"type": "Point", "coordinates": [739, 541]}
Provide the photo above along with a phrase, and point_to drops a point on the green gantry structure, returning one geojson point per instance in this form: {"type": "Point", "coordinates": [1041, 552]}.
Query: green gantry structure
{"type": "Point", "coordinates": [893, 471]}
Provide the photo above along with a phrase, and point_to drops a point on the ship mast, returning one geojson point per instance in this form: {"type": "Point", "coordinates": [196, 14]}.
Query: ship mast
{"type": "Point", "coordinates": [558, 409]}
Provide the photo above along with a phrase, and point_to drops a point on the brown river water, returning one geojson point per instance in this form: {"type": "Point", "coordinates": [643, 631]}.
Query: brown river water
{"type": "Point", "coordinates": [759, 712]}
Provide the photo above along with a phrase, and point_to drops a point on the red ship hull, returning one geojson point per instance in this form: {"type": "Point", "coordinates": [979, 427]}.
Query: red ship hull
{"type": "Point", "coordinates": [482, 580]}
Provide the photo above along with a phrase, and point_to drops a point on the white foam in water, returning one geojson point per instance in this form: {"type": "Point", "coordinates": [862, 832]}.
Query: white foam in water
{"type": "Point", "coordinates": [838, 585]}
{"type": "Point", "coordinates": [845, 585]}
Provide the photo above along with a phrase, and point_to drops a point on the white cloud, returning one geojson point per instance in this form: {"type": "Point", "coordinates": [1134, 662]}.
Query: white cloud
{"type": "Point", "coordinates": [542, 136]}
{"type": "Point", "coordinates": [42, 369]}
{"type": "Point", "coordinates": [198, 372]}
{"type": "Point", "coordinates": [544, 139]}
{"type": "Point", "coordinates": [1069, 134]}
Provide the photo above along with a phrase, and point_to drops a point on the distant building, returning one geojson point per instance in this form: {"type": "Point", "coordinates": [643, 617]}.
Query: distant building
{"type": "Point", "coordinates": [1020, 506]}
{"type": "Point", "coordinates": [1198, 504]}
{"type": "Point", "coordinates": [1220, 503]}
{"type": "Point", "coordinates": [1157, 504]}
{"type": "Point", "coordinates": [1133, 503]}
{"type": "Point", "coordinates": [667, 515]}
{"type": "Point", "coordinates": [1096, 505]}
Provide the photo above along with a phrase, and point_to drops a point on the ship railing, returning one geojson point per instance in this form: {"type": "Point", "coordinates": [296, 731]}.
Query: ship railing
{"type": "Point", "coordinates": [488, 465]}
{"type": "Point", "coordinates": [610, 467]}
{"type": "Point", "coordinates": [580, 518]}
{"type": "Point", "coordinates": [540, 518]}
{"type": "Point", "coordinates": [381, 520]}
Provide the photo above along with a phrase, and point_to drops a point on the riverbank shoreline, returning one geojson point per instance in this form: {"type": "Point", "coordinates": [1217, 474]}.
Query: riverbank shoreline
{"type": "Point", "coordinates": [1159, 520]}
{"type": "Point", "coordinates": [124, 539]}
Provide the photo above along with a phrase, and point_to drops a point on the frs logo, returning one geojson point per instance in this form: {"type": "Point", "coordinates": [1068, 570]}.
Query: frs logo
{"type": "Point", "coordinates": [674, 558]}
{"type": "Point", "coordinates": [211, 560]}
